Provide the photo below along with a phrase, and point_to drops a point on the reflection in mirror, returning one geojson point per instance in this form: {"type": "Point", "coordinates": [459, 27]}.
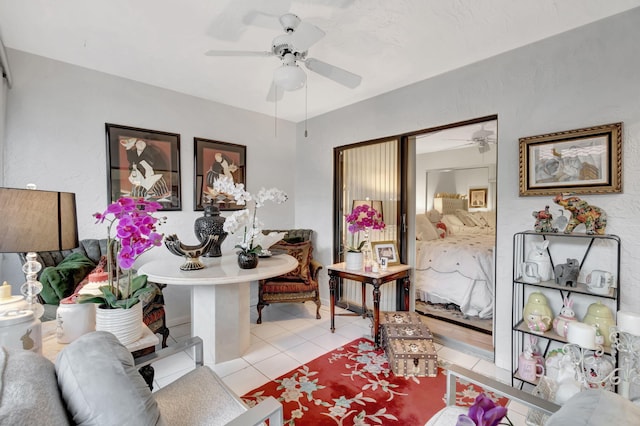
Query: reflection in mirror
{"type": "Point", "coordinates": [455, 231]}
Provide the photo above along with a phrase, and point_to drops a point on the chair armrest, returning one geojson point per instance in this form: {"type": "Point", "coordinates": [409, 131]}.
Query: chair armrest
{"type": "Point", "coordinates": [514, 394]}
{"type": "Point", "coordinates": [193, 342]}
{"type": "Point", "coordinates": [269, 408]}
{"type": "Point", "coordinates": [315, 267]}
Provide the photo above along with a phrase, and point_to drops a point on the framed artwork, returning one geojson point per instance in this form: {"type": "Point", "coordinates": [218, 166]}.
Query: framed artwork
{"type": "Point", "coordinates": [478, 198]}
{"type": "Point", "coordinates": [582, 161]}
{"type": "Point", "coordinates": [214, 159]}
{"type": "Point", "coordinates": [385, 251]}
{"type": "Point", "coordinates": [143, 163]}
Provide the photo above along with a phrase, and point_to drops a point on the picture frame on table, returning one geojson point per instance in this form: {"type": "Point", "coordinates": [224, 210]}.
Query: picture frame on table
{"type": "Point", "coordinates": [143, 163]}
{"type": "Point", "coordinates": [213, 159]}
{"type": "Point", "coordinates": [581, 161]}
{"type": "Point", "coordinates": [478, 198]}
{"type": "Point", "coordinates": [385, 251]}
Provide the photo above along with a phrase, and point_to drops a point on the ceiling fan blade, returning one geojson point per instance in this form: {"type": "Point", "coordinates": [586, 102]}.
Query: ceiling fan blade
{"type": "Point", "coordinates": [305, 36]}
{"type": "Point", "coordinates": [334, 73]}
{"type": "Point", "coordinates": [237, 53]}
{"type": "Point", "coordinates": [275, 93]}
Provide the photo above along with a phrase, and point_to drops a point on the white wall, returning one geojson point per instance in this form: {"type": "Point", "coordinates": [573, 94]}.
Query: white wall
{"type": "Point", "coordinates": [585, 77]}
{"type": "Point", "coordinates": [55, 138]}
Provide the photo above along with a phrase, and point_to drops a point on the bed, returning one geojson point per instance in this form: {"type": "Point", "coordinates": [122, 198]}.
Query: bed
{"type": "Point", "coordinates": [455, 258]}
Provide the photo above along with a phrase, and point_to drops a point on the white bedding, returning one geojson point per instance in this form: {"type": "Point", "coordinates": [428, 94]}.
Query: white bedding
{"type": "Point", "coordinates": [458, 269]}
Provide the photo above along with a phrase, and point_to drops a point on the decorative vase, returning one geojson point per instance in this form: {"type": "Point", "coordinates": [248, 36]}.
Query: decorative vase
{"type": "Point", "coordinates": [125, 324]}
{"type": "Point", "coordinates": [211, 224]}
{"type": "Point", "coordinates": [247, 260]}
{"type": "Point", "coordinates": [354, 260]}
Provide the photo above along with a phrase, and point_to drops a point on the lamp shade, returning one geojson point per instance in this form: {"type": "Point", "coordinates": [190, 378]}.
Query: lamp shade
{"type": "Point", "coordinates": [289, 77]}
{"type": "Point", "coordinates": [33, 220]}
{"type": "Point", "coordinates": [375, 204]}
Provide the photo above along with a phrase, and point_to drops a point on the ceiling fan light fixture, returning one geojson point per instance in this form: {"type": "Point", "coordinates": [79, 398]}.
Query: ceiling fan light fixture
{"type": "Point", "coordinates": [289, 77]}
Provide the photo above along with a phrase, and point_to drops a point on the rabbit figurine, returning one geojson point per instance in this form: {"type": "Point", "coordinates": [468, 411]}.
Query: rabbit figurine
{"type": "Point", "coordinates": [539, 256]}
{"type": "Point", "coordinates": [561, 322]}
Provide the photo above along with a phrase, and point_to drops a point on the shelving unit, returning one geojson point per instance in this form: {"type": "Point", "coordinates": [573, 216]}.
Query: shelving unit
{"type": "Point", "coordinates": [593, 252]}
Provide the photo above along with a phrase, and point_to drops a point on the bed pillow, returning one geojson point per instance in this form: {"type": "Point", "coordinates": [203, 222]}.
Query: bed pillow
{"type": "Point", "coordinates": [302, 252]}
{"type": "Point", "coordinates": [434, 216]}
{"type": "Point", "coordinates": [59, 281]}
{"type": "Point", "coordinates": [477, 219]}
{"type": "Point", "coordinates": [100, 383]}
{"type": "Point", "coordinates": [463, 215]}
{"type": "Point", "coordinates": [425, 231]}
{"type": "Point", "coordinates": [451, 219]}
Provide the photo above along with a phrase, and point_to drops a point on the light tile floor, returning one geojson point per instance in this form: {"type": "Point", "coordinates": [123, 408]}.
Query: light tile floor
{"type": "Point", "coordinates": [290, 336]}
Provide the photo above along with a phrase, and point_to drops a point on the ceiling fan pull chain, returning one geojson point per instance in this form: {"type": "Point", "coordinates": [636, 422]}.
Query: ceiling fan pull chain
{"type": "Point", "coordinates": [275, 114]}
{"type": "Point", "coordinates": [306, 97]}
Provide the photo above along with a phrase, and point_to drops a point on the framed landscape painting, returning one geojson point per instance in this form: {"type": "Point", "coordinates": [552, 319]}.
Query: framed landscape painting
{"type": "Point", "coordinates": [582, 161]}
{"type": "Point", "coordinates": [214, 159]}
{"type": "Point", "coordinates": [143, 163]}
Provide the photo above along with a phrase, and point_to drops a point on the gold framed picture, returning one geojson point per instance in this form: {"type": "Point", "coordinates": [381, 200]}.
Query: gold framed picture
{"type": "Point", "coordinates": [582, 161]}
{"type": "Point", "coordinates": [478, 198]}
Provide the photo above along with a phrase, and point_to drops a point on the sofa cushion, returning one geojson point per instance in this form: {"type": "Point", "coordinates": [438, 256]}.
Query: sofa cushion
{"type": "Point", "coordinates": [596, 407]}
{"type": "Point", "coordinates": [302, 252]}
{"type": "Point", "coordinates": [29, 392]}
{"type": "Point", "coordinates": [101, 385]}
{"type": "Point", "coordinates": [59, 281]}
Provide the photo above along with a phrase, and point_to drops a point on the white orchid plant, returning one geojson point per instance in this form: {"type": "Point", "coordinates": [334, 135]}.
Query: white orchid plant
{"type": "Point", "coordinates": [246, 220]}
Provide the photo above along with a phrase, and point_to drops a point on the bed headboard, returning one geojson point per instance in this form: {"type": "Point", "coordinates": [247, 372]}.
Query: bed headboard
{"type": "Point", "coordinates": [449, 203]}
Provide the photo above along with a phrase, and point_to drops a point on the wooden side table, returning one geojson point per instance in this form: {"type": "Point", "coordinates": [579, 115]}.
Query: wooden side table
{"type": "Point", "coordinates": [376, 279]}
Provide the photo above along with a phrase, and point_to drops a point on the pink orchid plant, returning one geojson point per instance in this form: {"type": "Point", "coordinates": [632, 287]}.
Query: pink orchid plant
{"type": "Point", "coordinates": [363, 218]}
{"type": "Point", "coordinates": [483, 412]}
{"type": "Point", "coordinates": [135, 233]}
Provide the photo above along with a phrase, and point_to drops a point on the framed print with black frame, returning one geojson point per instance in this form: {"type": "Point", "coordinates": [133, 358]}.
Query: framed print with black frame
{"type": "Point", "coordinates": [386, 250]}
{"type": "Point", "coordinates": [143, 163]}
{"type": "Point", "coordinates": [582, 161]}
{"type": "Point", "coordinates": [212, 160]}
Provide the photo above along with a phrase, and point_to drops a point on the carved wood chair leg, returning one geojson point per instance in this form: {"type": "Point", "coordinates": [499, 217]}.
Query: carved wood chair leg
{"type": "Point", "coordinates": [259, 320]}
{"type": "Point", "coordinates": [317, 308]}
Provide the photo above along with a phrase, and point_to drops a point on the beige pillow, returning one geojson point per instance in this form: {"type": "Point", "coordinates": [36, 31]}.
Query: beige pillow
{"type": "Point", "coordinates": [425, 231]}
{"type": "Point", "coordinates": [451, 219]}
{"type": "Point", "coordinates": [463, 215]}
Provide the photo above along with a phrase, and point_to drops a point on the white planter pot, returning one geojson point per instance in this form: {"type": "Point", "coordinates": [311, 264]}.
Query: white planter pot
{"type": "Point", "coordinates": [354, 260]}
{"type": "Point", "coordinates": [125, 324]}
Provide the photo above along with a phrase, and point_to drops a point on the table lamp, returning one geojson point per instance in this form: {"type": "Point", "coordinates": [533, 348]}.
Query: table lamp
{"type": "Point", "coordinates": [33, 221]}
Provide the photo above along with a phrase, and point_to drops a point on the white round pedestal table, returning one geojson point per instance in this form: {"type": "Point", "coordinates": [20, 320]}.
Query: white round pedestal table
{"type": "Point", "coordinates": [219, 298]}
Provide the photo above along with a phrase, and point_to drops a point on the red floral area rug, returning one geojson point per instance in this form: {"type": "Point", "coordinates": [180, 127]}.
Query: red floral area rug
{"type": "Point", "coordinates": [353, 385]}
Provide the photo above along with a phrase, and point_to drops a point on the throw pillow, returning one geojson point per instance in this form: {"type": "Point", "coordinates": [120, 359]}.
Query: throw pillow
{"type": "Point", "coordinates": [464, 217]}
{"type": "Point", "coordinates": [302, 252]}
{"type": "Point", "coordinates": [59, 281]}
{"type": "Point", "coordinates": [101, 385]}
{"type": "Point", "coordinates": [425, 231]}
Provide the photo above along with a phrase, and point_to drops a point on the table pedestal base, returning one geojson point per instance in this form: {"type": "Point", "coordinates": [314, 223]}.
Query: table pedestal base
{"type": "Point", "coordinates": [220, 316]}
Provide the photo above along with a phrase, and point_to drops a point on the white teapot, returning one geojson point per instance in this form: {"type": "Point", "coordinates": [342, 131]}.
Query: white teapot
{"type": "Point", "coordinates": [599, 282]}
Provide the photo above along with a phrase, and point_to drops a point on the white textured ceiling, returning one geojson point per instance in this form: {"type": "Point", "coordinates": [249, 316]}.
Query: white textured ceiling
{"type": "Point", "coordinates": [390, 43]}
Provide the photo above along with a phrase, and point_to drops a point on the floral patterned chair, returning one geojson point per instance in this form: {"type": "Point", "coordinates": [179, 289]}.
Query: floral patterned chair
{"type": "Point", "coordinates": [299, 285]}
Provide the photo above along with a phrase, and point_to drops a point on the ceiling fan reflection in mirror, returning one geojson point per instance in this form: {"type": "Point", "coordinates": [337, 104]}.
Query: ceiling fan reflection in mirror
{"type": "Point", "coordinates": [482, 138]}
{"type": "Point", "coordinates": [291, 48]}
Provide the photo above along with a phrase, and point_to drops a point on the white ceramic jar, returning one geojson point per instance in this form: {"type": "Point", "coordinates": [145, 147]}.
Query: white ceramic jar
{"type": "Point", "coordinates": [20, 329]}
{"type": "Point", "coordinates": [73, 320]}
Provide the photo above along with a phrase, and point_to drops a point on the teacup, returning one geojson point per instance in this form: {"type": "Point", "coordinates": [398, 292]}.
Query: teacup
{"type": "Point", "coordinates": [599, 282]}
{"type": "Point", "coordinates": [529, 368]}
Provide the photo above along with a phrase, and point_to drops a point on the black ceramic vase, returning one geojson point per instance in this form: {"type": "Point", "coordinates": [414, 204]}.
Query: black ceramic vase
{"type": "Point", "coordinates": [247, 260]}
{"type": "Point", "coordinates": [211, 224]}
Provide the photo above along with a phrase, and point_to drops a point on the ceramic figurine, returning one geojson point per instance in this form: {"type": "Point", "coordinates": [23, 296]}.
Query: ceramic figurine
{"type": "Point", "coordinates": [540, 256]}
{"type": "Point", "coordinates": [544, 221]}
{"type": "Point", "coordinates": [601, 317]}
{"type": "Point", "coordinates": [593, 218]}
{"type": "Point", "coordinates": [561, 322]}
{"type": "Point", "coordinates": [537, 313]}
{"type": "Point", "coordinates": [567, 273]}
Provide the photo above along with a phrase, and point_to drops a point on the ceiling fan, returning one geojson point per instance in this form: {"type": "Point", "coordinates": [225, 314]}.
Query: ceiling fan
{"type": "Point", "coordinates": [292, 47]}
{"type": "Point", "coordinates": [482, 138]}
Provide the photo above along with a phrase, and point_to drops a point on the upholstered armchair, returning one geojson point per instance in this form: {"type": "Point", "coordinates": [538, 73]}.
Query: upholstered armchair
{"type": "Point", "coordinates": [299, 285]}
{"type": "Point", "coordinates": [94, 252]}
